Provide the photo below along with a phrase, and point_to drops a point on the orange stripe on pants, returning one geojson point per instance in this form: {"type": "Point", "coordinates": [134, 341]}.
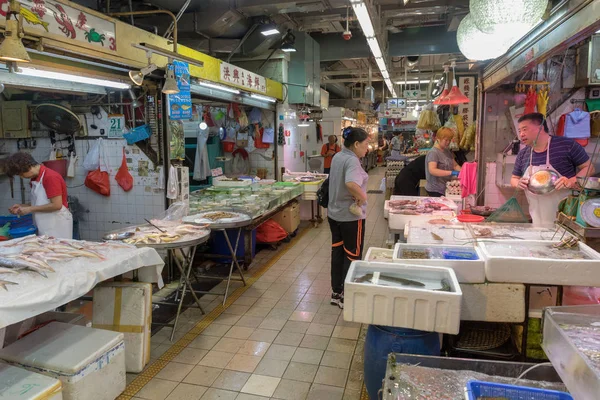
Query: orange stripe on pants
{"type": "Point", "coordinates": [358, 240]}
{"type": "Point", "coordinates": [338, 244]}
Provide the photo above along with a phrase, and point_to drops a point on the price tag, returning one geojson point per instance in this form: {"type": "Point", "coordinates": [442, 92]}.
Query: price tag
{"type": "Point", "coordinates": [116, 123]}
{"type": "Point", "coordinates": [216, 172]}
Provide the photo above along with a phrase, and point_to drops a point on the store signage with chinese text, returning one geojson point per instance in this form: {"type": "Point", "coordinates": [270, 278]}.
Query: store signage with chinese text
{"type": "Point", "coordinates": [395, 114]}
{"type": "Point", "coordinates": [63, 20]}
{"type": "Point", "coordinates": [242, 78]}
{"type": "Point", "coordinates": [466, 84]}
{"type": "Point", "coordinates": [180, 104]}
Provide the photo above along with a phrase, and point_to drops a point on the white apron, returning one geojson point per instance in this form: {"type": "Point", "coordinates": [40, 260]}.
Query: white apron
{"type": "Point", "coordinates": [58, 224]}
{"type": "Point", "coordinates": [543, 207]}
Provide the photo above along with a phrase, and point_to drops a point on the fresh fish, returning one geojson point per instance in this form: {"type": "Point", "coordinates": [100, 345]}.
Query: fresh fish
{"type": "Point", "coordinates": [20, 241]}
{"type": "Point", "coordinates": [17, 263]}
{"type": "Point", "coordinates": [4, 270]}
{"type": "Point", "coordinates": [445, 286]}
{"type": "Point", "coordinates": [3, 284]}
{"type": "Point", "coordinates": [40, 263]}
{"type": "Point", "coordinates": [437, 237]}
{"type": "Point", "coordinates": [402, 281]}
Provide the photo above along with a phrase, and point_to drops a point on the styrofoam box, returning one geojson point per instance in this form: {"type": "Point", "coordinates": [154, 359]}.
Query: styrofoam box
{"type": "Point", "coordinates": [132, 304]}
{"type": "Point", "coordinates": [89, 362]}
{"type": "Point", "coordinates": [386, 209]}
{"type": "Point", "coordinates": [228, 183]}
{"type": "Point", "coordinates": [397, 222]}
{"type": "Point", "coordinates": [21, 384]}
{"type": "Point", "coordinates": [493, 302]}
{"type": "Point", "coordinates": [379, 254]}
{"type": "Point", "coordinates": [403, 306]}
{"type": "Point", "coordinates": [312, 186]}
{"type": "Point", "coordinates": [467, 271]}
{"type": "Point", "coordinates": [575, 272]}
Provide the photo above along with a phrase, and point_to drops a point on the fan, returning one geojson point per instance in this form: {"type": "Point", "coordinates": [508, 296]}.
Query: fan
{"type": "Point", "coordinates": [439, 87]}
{"type": "Point", "coordinates": [60, 120]}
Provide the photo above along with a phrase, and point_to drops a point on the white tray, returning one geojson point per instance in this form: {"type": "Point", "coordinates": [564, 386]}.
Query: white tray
{"type": "Point", "coordinates": [452, 233]}
{"type": "Point", "coordinates": [546, 271]}
{"type": "Point", "coordinates": [403, 306]}
{"type": "Point", "coordinates": [379, 254]}
{"type": "Point", "coordinates": [228, 183]}
{"type": "Point", "coordinates": [467, 271]}
{"type": "Point", "coordinates": [397, 222]}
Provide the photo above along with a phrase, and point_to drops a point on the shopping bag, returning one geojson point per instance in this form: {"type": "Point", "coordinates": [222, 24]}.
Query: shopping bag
{"type": "Point", "coordinates": [172, 184]}
{"type": "Point", "coordinates": [123, 177]}
{"type": "Point", "coordinates": [91, 162]}
{"type": "Point", "coordinates": [270, 232]}
{"type": "Point", "coordinates": [98, 181]}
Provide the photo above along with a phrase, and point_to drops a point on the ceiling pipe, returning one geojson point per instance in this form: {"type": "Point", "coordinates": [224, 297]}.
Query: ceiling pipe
{"type": "Point", "coordinates": [179, 14]}
{"type": "Point", "coordinates": [153, 12]}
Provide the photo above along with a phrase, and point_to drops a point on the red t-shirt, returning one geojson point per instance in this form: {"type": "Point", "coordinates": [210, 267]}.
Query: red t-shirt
{"type": "Point", "coordinates": [53, 183]}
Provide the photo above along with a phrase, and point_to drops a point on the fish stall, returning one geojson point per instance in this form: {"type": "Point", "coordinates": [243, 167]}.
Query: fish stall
{"type": "Point", "coordinates": [403, 209]}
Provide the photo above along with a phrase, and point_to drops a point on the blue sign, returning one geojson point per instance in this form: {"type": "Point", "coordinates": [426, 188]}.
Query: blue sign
{"type": "Point", "coordinates": [180, 104]}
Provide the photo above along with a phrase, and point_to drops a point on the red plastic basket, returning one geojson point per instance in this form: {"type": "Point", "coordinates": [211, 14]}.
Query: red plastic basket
{"type": "Point", "coordinates": [470, 218]}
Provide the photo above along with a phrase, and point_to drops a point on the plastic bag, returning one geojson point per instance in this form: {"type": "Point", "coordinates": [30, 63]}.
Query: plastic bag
{"type": "Point", "coordinates": [172, 184]}
{"type": "Point", "coordinates": [98, 181]}
{"type": "Point", "coordinates": [355, 209]}
{"type": "Point", "coordinates": [123, 177]}
{"type": "Point", "coordinates": [52, 154]}
{"type": "Point", "coordinates": [451, 124]}
{"type": "Point", "coordinates": [172, 216]}
{"type": "Point", "coordinates": [91, 162]}
{"type": "Point", "coordinates": [270, 232]}
{"type": "Point", "coordinates": [382, 185]}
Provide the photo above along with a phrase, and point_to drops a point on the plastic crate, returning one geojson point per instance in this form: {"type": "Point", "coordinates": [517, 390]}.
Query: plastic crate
{"type": "Point", "coordinates": [16, 222]}
{"type": "Point", "coordinates": [477, 389]}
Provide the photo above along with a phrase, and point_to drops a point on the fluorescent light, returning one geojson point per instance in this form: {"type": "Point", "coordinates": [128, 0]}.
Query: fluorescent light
{"type": "Point", "coordinates": [374, 45]}
{"type": "Point", "coordinates": [261, 97]}
{"type": "Point", "coordinates": [423, 82]}
{"type": "Point", "coordinates": [218, 87]}
{"type": "Point", "coordinates": [364, 19]}
{"type": "Point", "coordinates": [385, 74]}
{"type": "Point", "coordinates": [380, 64]}
{"type": "Point", "coordinates": [270, 32]}
{"type": "Point", "coordinates": [73, 78]}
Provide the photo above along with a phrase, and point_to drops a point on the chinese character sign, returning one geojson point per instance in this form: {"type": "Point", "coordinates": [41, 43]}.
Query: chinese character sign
{"type": "Point", "coordinates": [244, 79]}
{"type": "Point", "coordinates": [180, 104]}
{"type": "Point", "coordinates": [467, 85]}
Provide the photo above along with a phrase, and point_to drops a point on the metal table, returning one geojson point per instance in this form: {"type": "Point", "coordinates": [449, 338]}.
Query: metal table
{"type": "Point", "coordinates": [223, 226]}
{"type": "Point", "coordinates": [187, 248]}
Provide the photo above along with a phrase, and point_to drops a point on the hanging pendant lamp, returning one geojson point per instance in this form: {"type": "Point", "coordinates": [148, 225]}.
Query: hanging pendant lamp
{"type": "Point", "coordinates": [477, 45]}
{"type": "Point", "coordinates": [455, 96]}
{"type": "Point", "coordinates": [507, 17]}
{"type": "Point", "coordinates": [445, 92]}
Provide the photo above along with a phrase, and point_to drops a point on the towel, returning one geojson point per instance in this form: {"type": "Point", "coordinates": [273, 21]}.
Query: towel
{"type": "Point", "coordinates": [468, 179]}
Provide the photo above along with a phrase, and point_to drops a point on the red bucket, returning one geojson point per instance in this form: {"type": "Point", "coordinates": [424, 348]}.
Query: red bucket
{"type": "Point", "coordinates": [228, 146]}
{"type": "Point", "coordinates": [59, 166]}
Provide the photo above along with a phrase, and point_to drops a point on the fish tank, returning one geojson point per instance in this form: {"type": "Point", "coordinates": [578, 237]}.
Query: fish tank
{"type": "Point", "coordinates": [571, 340]}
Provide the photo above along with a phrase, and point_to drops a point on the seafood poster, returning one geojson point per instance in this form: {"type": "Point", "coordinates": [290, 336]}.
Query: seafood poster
{"type": "Point", "coordinates": [65, 21]}
{"type": "Point", "coordinates": [180, 104]}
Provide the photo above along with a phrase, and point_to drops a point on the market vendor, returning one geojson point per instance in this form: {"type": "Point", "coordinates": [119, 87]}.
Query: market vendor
{"type": "Point", "coordinates": [329, 150]}
{"type": "Point", "coordinates": [440, 164]}
{"type": "Point", "coordinates": [407, 181]}
{"type": "Point", "coordinates": [397, 145]}
{"type": "Point", "coordinates": [49, 204]}
{"type": "Point", "coordinates": [554, 153]}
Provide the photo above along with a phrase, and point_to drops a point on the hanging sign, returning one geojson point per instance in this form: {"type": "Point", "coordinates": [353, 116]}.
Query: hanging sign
{"type": "Point", "coordinates": [180, 104]}
{"type": "Point", "coordinates": [240, 77]}
{"type": "Point", "coordinates": [412, 94]}
{"type": "Point", "coordinates": [466, 84]}
{"type": "Point", "coordinates": [63, 20]}
{"type": "Point", "coordinates": [116, 125]}
{"type": "Point", "coordinates": [395, 113]}
{"type": "Point", "coordinates": [395, 103]}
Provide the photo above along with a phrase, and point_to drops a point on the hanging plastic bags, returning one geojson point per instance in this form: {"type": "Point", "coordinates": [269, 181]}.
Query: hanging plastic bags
{"type": "Point", "coordinates": [71, 169]}
{"type": "Point", "coordinates": [172, 184]}
{"type": "Point", "coordinates": [270, 232]}
{"type": "Point", "coordinates": [123, 177]}
{"type": "Point", "coordinates": [91, 162]}
{"type": "Point", "coordinates": [99, 180]}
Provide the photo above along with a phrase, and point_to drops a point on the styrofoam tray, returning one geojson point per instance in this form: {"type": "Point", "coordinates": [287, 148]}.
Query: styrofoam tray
{"type": "Point", "coordinates": [451, 233]}
{"type": "Point", "coordinates": [379, 254]}
{"type": "Point", "coordinates": [397, 222]}
{"type": "Point", "coordinates": [400, 305]}
{"type": "Point", "coordinates": [467, 271]}
{"type": "Point", "coordinates": [500, 266]}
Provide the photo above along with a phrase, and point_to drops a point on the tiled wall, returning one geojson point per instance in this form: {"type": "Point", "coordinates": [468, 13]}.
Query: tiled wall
{"type": "Point", "coordinates": [496, 196]}
{"type": "Point", "coordinates": [104, 214]}
{"type": "Point", "coordinates": [258, 161]}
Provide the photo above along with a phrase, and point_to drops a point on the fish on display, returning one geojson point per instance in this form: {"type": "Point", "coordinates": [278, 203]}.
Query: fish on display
{"type": "Point", "coordinates": [4, 283]}
{"type": "Point", "coordinates": [20, 264]}
{"type": "Point", "coordinates": [402, 281]}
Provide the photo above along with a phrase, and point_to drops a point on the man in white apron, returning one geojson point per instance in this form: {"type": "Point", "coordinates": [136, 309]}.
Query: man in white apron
{"type": "Point", "coordinates": [543, 152]}
{"type": "Point", "coordinates": [48, 196]}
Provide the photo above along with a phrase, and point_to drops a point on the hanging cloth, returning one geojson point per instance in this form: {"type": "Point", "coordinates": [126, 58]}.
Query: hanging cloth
{"type": "Point", "coordinates": [319, 133]}
{"type": "Point", "coordinates": [258, 138]}
{"type": "Point", "coordinates": [123, 177]}
{"type": "Point", "coordinates": [530, 100]}
{"type": "Point", "coordinates": [201, 163]}
{"type": "Point", "coordinates": [542, 101]}
{"type": "Point", "coordinates": [468, 179]}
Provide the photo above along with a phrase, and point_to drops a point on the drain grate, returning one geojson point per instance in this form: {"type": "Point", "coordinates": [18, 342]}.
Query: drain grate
{"type": "Point", "coordinates": [374, 191]}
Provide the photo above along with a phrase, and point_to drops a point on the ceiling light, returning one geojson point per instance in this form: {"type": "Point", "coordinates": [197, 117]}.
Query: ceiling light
{"type": "Point", "coordinates": [380, 64]}
{"type": "Point", "coordinates": [269, 30]}
{"type": "Point", "coordinates": [422, 82]}
{"type": "Point", "coordinates": [134, 101]}
{"type": "Point", "coordinates": [170, 86]}
{"type": "Point", "coordinates": [304, 123]}
{"type": "Point", "coordinates": [203, 125]}
{"type": "Point", "coordinates": [12, 48]}
{"type": "Point", "coordinates": [385, 74]}
{"type": "Point", "coordinates": [264, 98]}
{"type": "Point", "coordinates": [288, 48]}
{"type": "Point", "coordinates": [507, 16]}
{"type": "Point", "coordinates": [218, 87]}
{"type": "Point", "coordinates": [364, 19]}
{"type": "Point", "coordinates": [72, 78]}
{"type": "Point", "coordinates": [137, 77]}
{"type": "Point", "coordinates": [476, 45]}
{"type": "Point", "coordinates": [374, 46]}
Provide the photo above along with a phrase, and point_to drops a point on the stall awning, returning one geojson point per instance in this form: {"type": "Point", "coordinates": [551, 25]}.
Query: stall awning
{"type": "Point", "coordinates": [570, 22]}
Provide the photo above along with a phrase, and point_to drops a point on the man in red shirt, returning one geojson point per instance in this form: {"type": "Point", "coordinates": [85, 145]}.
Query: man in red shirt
{"type": "Point", "coordinates": [49, 204]}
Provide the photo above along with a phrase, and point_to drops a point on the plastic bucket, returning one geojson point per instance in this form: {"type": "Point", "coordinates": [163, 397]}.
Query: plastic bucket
{"type": "Point", "coordinates": [59, 166]}
{"type": "Point", "coordinates": [383, 340]}
{"type": "Point", "coordinates": [228, 146]}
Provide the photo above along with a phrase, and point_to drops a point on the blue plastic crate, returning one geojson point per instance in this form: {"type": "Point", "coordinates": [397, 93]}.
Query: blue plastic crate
{"type": "Point", "coordinates": [16, 222]}
{"type": "Point", "coordinates": [22, 232]}
{"type": "Point", "coordinates": [477, 389]}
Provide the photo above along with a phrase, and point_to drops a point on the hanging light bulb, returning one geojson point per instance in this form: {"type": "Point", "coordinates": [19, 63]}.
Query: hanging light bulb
{"type": "Point", "coordinates": [12, 48]}
{"type": "Point", "coordinates": [203, 125]}
{"type": "Point", "coordinates": [455, 96]}
{"type": "Point", "coordinates": [445, 92]}
{"type": "Point", "coordinates": [476, 45]}
{"type": "Point", "coordinates": [507, 17]}
{"type": "Point", "coordinates": [170, 86]}
{"type": "Point", "coordinates": [137, 77]}
{"type": "Point", "coordinates": [134, 101]}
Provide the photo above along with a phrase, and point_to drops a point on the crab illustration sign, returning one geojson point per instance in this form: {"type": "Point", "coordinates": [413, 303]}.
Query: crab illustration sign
{"type": "Point", "coordinates": [66, 21]}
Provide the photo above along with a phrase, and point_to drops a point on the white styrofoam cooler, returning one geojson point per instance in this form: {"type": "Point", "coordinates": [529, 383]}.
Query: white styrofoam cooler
{"type": "Point", "coordinates": [379, 254]}
{"type": "Point", "coordinates": [397, 222]}
{"type": "Point", "coordinates": [89, 362]}
{"type": "Point", "coordinates": [493, 302]}
{"type": "Point", "coordinates": [403, 306]}
{"type": "Point", "coordinates": [386, 209]}
{"type": "Point", "coordinates": [21, 384]}
{"type": "Point", "coordinates": [126, 307]}
{"type": "Point", "coordinates": [467, 271]}
{"type": "Point", "coordinates": [575, 272]}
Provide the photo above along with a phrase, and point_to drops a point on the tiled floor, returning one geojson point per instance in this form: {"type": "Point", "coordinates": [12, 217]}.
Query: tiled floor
{"type": "Point", "coordinates": [281, 339]}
